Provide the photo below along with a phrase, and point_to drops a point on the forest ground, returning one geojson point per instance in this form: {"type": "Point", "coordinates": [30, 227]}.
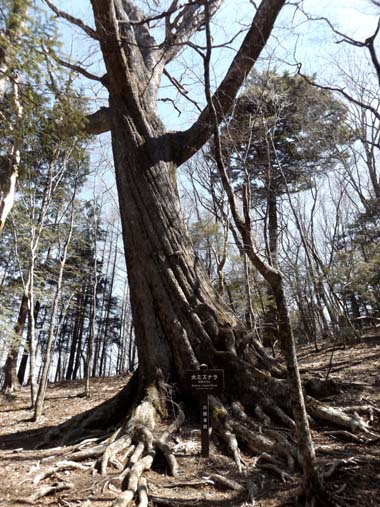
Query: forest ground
{"type": "Point", "coordinates": [355, 371]}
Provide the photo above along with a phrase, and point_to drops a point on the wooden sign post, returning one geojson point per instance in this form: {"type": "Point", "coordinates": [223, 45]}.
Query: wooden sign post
{"type": "Point", "coordinates": [205, 382]}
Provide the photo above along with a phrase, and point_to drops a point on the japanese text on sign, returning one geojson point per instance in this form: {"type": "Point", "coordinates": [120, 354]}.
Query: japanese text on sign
{"type": "Point", "coordinates": [208, 381]}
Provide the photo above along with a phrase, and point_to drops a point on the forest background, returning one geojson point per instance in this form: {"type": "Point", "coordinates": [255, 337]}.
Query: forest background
{"type": "Point", "coordinates": [339, 274]}
{"type": "Point", "coordinates": [299, 155]}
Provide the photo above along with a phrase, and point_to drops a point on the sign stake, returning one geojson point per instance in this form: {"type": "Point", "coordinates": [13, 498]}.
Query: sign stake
{"type": "Point", "coordinates": [203, 382]}
{"type": "Point", "coordinates": [205, 426]}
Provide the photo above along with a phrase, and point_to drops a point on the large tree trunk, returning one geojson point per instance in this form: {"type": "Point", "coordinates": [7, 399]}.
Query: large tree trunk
{"type": "Point", "coordinates": [180, 322]}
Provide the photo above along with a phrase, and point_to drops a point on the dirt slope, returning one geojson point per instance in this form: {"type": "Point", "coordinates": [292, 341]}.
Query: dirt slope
{"type": "Point", "coordinates": [356, 376]}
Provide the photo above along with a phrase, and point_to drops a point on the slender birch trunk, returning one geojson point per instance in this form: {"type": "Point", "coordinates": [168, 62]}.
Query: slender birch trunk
{"type": "Point", "coordinates": [53, 328]}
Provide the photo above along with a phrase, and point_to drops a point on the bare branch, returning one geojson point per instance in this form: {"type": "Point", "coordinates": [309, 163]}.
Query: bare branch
{"type": "Point", "coordinates": [81, 70]}
{"type": "Point", "coordinates": [181, 89]}
{"type": "Point", "coordinates": [172, 102]}
{"type": "Point", "coordinates": [190, 141]}
{"type": "Point", "coordinates": [369, 43]}
{"type": "Point", "coordinates": [342, 92]}
{"type": "Point", "coordinates": [73, 20]}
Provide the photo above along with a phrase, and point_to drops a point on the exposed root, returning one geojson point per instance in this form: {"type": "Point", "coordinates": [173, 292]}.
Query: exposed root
{"type": "Point", "coordinates": [346, 436]}
{"type": "Point", "coordinates": [274, 468]}
{"type": "Point", "coordinates": [162, 445]}
{"type": "Point", "coordinates": [223, 423]}
{"type": "Point", "coordinates": [169, 456]}
{"type": "Point", "coordinates": [134, 476]}
{"type": "Point", "coordinates": [142, 493]}
{"type": "Point", "coordinates": [262, 416]}
{"type": "Point", "coordinates": [59, 467]}
{"type": "Point", "coordinates": [226, 482]}
{"type": "Point", "coordinates": [262, 439]}
{"type": "Point", "coordinates": [327, 474]}
{"type": "Point", "coordinates": [48, 490]}
{"type": "Point", "coordinates": [88, 453]}
{"type": "Point", "coordinates": [132, 448]}
{"type": "Point", "coordinates": [283, 417]}
{"type": "Point", "coordinates": [325, 412]}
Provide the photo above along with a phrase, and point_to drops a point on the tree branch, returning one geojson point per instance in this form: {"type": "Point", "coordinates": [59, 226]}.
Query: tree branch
{"type": "Point", "coordinates": [369, 43]}
{"type": "Point", "coordinates": [342, 92]}
{"type": "Point", "coordinates": [181, 90]}
{"type": "Point", "coordinates": [98, 122]}
{"type": "Point", "coordinates": [73, 20]}
{"type": "Point", "coordinates": [80, 70]}
{"type": "Point", "coordinates": [144, 39]}
{"type": "Point", "coordinates": [93, 124]}
{"type": "Point", "coordinates": [187, 22]}
{"type": "Point", "coordinates": [188, 142]}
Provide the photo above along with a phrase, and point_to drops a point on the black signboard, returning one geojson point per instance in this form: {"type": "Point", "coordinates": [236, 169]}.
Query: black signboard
{"type": "Point", "coordinates": [205, 381]}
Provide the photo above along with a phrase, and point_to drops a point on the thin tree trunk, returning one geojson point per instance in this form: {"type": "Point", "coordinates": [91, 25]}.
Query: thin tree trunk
{"type": "Point", "coordinates": [59, 371]}
{"type": "Point", "coordinates": [53, 328]}
{"type": "Point", "coordinates": [312, 480]}
{"type": "Point", "coordinates": [249, 314]}
{"type": "Point", "coordinates": [78, 355]}
{"type": "Point", "coordinates": [91, 337]}
{"type": "Point", "coordinates": [108, 311]}
{"type": "Point", "coordinates": [75, 336]}
{"type": "Point", "coordinates": [100, 334]}
{"type": "Point", "coordinates": [11, 381]}
{"type": "Point", "coordinates": [25, 355]}
{"type": "Point", "coordinates": [122, 350]}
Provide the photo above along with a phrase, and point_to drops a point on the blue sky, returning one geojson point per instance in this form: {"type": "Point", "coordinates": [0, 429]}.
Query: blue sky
{"type": "Point", "coordinates": [295, 39]}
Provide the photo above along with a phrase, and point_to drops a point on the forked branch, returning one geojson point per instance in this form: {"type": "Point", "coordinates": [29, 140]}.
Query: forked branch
{"type": "Point", "coordinates": [188, 20]}
{"type": "Point", "coordinates": [190, 141]}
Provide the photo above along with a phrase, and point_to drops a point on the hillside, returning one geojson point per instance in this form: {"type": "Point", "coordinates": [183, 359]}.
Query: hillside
{"type": "Point", "coordinates": [356, 479]}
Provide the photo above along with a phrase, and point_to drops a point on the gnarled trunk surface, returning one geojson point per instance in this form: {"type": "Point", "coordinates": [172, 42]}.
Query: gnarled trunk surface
{"type": "Point", "coordinates": [179, 320]}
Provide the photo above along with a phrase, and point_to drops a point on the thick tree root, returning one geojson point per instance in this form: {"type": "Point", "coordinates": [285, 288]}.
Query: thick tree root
{"type": "Point", "coordinates": [339, 417]}
{"type": "Point", "coordinates": [131, 449]}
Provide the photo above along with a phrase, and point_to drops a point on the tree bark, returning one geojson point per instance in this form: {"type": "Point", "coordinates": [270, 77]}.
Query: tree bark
{"type": "Point", "coordinates": [11, 381]}
{"type": "Point", "coordinates": [75, 336]}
